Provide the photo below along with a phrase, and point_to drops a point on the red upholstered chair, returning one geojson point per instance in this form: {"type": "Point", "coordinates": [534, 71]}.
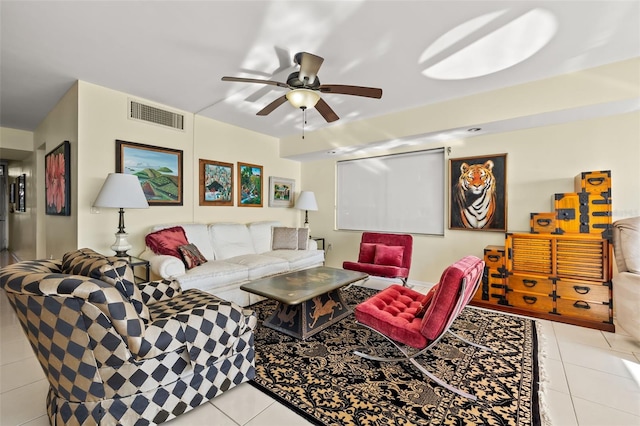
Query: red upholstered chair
{"type": "Point", "coordinates": [414, 322]}
{"type": "Point", "coordinates": [384, 255]}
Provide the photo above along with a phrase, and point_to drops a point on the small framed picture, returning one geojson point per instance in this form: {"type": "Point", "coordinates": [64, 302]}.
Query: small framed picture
{"type": "Point", "coordinates": [249, 185]}
{"type": "Point", "coordinates": [216, 183]}
{"type": "Point", "coordinates": [281, 192]}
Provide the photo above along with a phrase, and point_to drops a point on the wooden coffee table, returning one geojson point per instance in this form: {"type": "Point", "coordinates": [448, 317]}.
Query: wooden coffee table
{"type": "Point", "coordinates": [308, 301]}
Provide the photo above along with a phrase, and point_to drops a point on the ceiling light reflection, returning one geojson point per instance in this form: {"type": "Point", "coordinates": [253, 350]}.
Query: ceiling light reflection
{"type": "Point", "coordinates": [497, 49]}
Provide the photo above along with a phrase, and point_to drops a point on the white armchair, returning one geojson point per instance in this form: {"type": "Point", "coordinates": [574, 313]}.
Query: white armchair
{"type": "Point", "coordinates": [626, 283]}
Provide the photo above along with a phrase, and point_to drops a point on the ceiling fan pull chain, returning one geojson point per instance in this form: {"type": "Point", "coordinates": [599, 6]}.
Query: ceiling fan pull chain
{"type": "Point", "coordinates": [304, 119]}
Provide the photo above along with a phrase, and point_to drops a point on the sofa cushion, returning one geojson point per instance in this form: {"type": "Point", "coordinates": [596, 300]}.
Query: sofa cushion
{"type": "Point", "coordinates": [213, 274]}
{"type": "Point", "coordinates": [393, 312]}
{"type": "Point", "coordinates": [230, 240]}
{"type": "Point", "coordinates": [191, 256]}
{"type": "Point", "coordinates": [261, 265]}
{"type": "Point", "coordinates": [261, 234]}
{"type": "Point", "coordinates": [367, 252]}
{"type": "Point", "coordinates": [167, 240]}
{"type": "Point", "coordinates": [388, 255]}
{"type": "Point", "coordinates": [441, 309]}
{"type": "Point", "coordinates": [285, 238]}
{"type": "Point", "coordinates": [198, 235]}
{"type": "Point", "coordinates": [299, 259]}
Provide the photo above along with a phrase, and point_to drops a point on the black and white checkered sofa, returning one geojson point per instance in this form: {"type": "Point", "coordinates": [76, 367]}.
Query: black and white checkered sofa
{"type": "Point", "coordinates": [119, 353]}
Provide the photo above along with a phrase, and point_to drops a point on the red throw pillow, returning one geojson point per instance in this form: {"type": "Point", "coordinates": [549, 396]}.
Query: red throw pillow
{"type": "Point", "coordinates": [167, 241]}
{"type": "Point", "coordinates": [367, 252]}
{"type": "Point", "coordinates": [389, 255]}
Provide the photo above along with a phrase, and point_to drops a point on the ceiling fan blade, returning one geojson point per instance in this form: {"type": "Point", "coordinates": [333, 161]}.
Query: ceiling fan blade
{"type": "Point", "coordinates": [255, 80]}
{"type": "Point", "coordinates": [369, 92]}
{"type": "Point", "coordinates": [309, 65]}
{"type": "Point", "coordinates": [325, 110]}
{"type": "Point", "coordinates": [273, 105]}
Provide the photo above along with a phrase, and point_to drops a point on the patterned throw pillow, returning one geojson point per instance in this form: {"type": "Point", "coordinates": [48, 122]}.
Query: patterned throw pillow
{"type": "Point", "coordinates": [303, 238]}
{"type": "Point", "coordinates": [191, 256]}
{"type": "Point", "coordinates": [167, 241]}
{"type": "Point", "coordinates": [284, 238]}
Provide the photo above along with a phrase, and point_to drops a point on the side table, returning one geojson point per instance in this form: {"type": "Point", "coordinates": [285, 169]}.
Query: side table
{"type": "Point", "coordinates": [136, 264]}
{"type": "Point", "coordinates": [318, 240]}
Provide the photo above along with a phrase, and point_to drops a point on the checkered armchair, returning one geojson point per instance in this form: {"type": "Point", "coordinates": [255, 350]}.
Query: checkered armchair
{"type": "Point", "coordinates": [119, 353]}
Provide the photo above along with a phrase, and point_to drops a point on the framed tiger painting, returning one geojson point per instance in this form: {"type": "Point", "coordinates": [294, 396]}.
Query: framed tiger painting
{"type": "Point", "coordinates": [478, 197]}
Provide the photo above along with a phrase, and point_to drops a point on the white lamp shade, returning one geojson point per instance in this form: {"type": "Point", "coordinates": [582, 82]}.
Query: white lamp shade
{"type": "Point", "coordinates": [303, 98]}
{"type": "Point", "coordinates": [307, 201]}
{"type": "Point", "coordinates": [121, 191]}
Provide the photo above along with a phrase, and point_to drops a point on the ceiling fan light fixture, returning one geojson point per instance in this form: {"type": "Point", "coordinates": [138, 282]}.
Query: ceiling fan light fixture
{"type": "Point", "coordinates": [303, 98]}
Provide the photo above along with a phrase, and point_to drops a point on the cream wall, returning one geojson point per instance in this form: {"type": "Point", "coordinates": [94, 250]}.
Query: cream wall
{"type": "Point", "coordinates": [61, 232]}
{"type": "Point", "coordinates": [16, 139]}
{"type": "Point", "coordinates": [218, 141]}
{"type": "Point", "coordinates": [103, 119]}
{"type": "Point", "coordinates": [540, 162]}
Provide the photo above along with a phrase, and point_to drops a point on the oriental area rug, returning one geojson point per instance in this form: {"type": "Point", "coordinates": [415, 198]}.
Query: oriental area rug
{"type": "Point", "coordinates": [322, 380]}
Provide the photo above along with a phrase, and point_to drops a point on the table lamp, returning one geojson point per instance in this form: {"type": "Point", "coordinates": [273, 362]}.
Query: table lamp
{"type": "Point", "coordinates": [121, 191]}
{"type": "Point", "coordinates": [306, 201]}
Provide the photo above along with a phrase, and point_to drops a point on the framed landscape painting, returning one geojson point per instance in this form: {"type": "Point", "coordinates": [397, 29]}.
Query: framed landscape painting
{"type": "Point", "coordinates": [159, 171]}
{"type": "Point", "coordinates": [57, 180]}
{"type": "Point", "coordinates": [478, 198]}
{"type": "Point", "coordinates": [249, 185]}
{"type": "Point", "coordinates": [281, 192]}
{"type": "Point", "coordinates": [216, 183]}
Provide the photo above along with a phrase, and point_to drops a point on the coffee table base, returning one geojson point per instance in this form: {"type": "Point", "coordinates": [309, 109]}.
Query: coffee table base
{"type": "Point", "coordinates": [310, 317]}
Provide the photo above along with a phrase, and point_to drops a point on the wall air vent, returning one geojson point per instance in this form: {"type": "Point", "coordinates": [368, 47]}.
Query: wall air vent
{"type": "Point", "coordinates": [138, 111]}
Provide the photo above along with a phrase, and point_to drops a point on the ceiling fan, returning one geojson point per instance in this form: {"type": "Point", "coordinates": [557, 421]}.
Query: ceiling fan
{"type": "Point", "coordinates": [304, 86]}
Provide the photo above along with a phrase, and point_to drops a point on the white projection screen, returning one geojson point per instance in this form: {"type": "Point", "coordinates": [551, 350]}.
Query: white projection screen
{"type": "Point", "coordinates": [400, 193]}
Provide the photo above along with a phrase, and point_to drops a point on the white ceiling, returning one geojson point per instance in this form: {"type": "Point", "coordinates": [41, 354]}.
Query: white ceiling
{"type": "Point", "coordinates": [175, 52]}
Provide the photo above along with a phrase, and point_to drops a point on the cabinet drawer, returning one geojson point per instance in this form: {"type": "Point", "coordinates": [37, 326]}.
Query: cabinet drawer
{"type": "Point", "coordinates": [543, 223]}
{"type": "Point", "coordinates": [580, 290]}
{"type": "Point", "coordinates": [531, 301]}
{"type": "Point", "coordinates": [597, 182]}
{"type": "Point", "coordinates": [494, 257]}
{"type": "Point", "coordinates": [530, 284]}
{"type": "Point", "coordinates": [583, 309]}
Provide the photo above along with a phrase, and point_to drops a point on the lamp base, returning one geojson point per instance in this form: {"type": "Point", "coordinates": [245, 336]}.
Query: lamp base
{"type": "Point", "coordinates": [121, 245]}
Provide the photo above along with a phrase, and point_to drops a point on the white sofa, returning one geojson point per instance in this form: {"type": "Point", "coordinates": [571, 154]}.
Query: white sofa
{"type": "Point", "coordinates": [236, 253]}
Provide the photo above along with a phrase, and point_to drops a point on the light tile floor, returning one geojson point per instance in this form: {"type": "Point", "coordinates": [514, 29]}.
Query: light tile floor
{"type": "Point", "coordinates": [593, 378]}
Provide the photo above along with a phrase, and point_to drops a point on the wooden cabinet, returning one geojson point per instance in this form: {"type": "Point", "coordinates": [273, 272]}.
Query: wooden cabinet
{"type": "Point", "coordinates": [563, 278]}
{"type": "Point", "coordinates": [561, 271]}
